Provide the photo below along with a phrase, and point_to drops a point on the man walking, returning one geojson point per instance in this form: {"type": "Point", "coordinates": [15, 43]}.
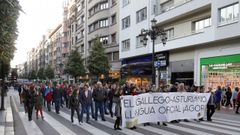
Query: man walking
{"type": "Point", "coordinates": [86, 101]}
{"type": "Point", "coordinates": [211, 105]}
{"type": "Point", "coordinates": [99, 95]}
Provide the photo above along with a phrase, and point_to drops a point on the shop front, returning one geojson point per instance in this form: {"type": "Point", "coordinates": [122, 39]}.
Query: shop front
{"type": "Point", "coordinates": [220, 71]}
{"type": "Point", "coordinates": [138, 70]}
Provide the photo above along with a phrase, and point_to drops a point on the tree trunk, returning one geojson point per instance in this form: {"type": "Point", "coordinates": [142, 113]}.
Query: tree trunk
{"type": "Point", "coordinates": [2, 86]}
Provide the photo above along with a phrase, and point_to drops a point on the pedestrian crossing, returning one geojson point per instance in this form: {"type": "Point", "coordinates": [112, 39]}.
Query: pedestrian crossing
{"type": "Point", "coordinates": [219, 126]}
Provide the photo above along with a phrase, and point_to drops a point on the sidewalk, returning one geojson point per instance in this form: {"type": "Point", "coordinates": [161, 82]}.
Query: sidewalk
{"type": "Point", "coordinates": [6, 117]}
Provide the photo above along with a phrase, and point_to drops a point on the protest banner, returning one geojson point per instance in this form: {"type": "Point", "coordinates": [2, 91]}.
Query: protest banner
{"type": "Point", "coordinates": [165, 107]}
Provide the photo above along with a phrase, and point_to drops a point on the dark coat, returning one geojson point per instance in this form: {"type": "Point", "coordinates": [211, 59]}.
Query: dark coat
{"type": "Point", "coordinates": [74, 101]}
{"type": "Point", "coordinates": [31, 98]}
{"type": "Point", "coordinates": [85, 100]}
{"type": "Point", "coordinates": [99, 95]}
{"type": "Point", "coordinates": [117, 101]}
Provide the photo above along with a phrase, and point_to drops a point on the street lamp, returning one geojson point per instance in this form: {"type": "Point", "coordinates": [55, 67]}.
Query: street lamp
{"type": "Point", "coordinates": [153, 33]}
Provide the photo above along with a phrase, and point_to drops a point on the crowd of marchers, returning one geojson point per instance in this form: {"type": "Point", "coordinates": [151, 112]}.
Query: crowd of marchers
{"type": "Point", "coordinates": [105, 98]}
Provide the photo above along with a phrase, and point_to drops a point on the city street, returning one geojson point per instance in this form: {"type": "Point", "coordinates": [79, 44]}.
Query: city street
{"type": "Point", "coordinates": [224, 122]}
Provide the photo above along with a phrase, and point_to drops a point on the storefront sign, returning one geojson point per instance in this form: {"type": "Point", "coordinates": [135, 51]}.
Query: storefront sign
{"type": "Point", "coordinates": [155, 107]}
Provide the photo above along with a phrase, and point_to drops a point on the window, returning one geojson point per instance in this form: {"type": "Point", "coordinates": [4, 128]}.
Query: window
{"type": "Point", "coordinates": [125, 2]}
{"type": "Point", "coordinates": [138, 42]}
{"type": "Point", "coordinates": [103, 23]}
{"type": "Point", "coordinates": [229, 13]}
{"type": "Point", "coordinates": [141, 14]}
{"type": "Point", "coordinates": [82, 33]}
{"type": "Point", "coordinates": [109, 56]}
{"type": "Point", "coordinates": [82, 48]}
{"type": "Point", "coordinates": [126, 45]}
{"type": "Point", "coordinates": [82, 19]}
{"type": "Point", "coordinates": [113, 37]}
{"type": "Point", "coordinates": [167, 5]}
{"type": "Point", "coordinates": [114, 2]}
{"type": "Point", "coordinates": [126, 22]}
{"type": "Point", "coordinates": [113, 18]}
{"type": "Point", "coordinates": [115, 56]}
{"type": "Point", "coordinates": [201, 24]}
{"type": "Point", "coordinates": [170, 33]}
{"type": "Point", "coordinates": [104, 5]}
{"type": "Point", "coordinates": [104, 40]}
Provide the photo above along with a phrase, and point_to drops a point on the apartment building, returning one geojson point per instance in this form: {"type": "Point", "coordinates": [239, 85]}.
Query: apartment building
{"type": "Point", "coordinates": [202, 46]}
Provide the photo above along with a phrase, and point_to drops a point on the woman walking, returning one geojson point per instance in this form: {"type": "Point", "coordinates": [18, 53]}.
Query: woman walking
{"type": "Point", "coordinates": [74, 104]}
{"type": "Point", "coordinates": [39, 104]}
{"type": "Point", "coordinates": [117, 101]}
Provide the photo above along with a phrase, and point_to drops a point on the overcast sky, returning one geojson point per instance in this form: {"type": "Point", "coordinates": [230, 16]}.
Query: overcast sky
{"type": "Point", "coordinates": [40, 15]}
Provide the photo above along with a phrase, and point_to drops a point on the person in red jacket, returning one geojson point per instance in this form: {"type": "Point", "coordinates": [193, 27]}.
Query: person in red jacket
{"type": "Point", "coordinates": [134, 91]}
{"type": "Point", "coordinates": [238, 100]}
{"type": "Point", "coordinates": [49, 97]}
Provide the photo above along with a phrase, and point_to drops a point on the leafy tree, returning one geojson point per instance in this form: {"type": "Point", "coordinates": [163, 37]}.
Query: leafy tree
{"type": "Point", "coordinates": [14, 74]}
{"type": "Point", "coordinates": [98, 62]}
{"type": "Point", "coordinates": [32, 75]}
{"type": "Point", "coordinates": [41, 74]}
{"type": "Point", "coordinates": [75, 65]}
{"type": "Point", "coordinates": [49, 72]}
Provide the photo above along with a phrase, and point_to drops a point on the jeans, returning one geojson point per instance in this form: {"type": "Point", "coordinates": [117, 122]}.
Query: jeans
{"type": "Point", "coordinates": [73, 109]}
{"type": "Point", "coordinates": [92, 111]}
{"type": "Point", "coordinates": [99, 105]}
{"type": "Point", "coordinates": [85, 108]}
{"type": "Point", "coordinates": [49, 106]}
{"type": "Point", "coordinates": [110, 104]}
{"type": "Point", "coordinates": [210, 111]}
{"type": "Point", "coordinates": [30, 109]}
{"type": "Point", "coordinates": [57, 105]}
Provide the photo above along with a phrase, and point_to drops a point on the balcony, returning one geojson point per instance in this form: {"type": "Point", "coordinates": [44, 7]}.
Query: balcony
{"type": "Point", "coordinates": [191, 39]}
{"type": "Point", "coordinates": [179, 10]}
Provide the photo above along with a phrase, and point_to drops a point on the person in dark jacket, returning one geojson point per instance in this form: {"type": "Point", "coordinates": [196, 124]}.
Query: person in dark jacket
{"type": "Point", "coordinates": [99, 95]}
{"type": "Point", "coordinates": [110, 98]}
{"type": "Point", "coordinates": [57, 98]}
{"type": "Point", "coordinates": [127, 89]}
{"type": "Point", "coordinates": [86, 101]}
{"type": "Point", "coordinates": [211, 105]}
{"type": "Point", "coordinates": [218, 95]}
{"type": "Point", "coordinates": [30, 101]}
{"type": "Point", "coordinates": [39, 103]}
{"type": "Point", "coordinates": [229, 96]}
{"type": "Point", "coordinates": [237, 100]}
{"type": "Point", "coordinates": [117, 101]}
{"type": "Point", "coordinates": [74, 104]}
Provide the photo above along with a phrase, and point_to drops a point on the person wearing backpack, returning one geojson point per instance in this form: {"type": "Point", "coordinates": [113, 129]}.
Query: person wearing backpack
{"type": "Point", "coordinates": [74, 104]}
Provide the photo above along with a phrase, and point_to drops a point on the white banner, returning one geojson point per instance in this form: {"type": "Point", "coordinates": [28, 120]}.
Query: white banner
{"type": "Point", "coordinates": [155, 107]}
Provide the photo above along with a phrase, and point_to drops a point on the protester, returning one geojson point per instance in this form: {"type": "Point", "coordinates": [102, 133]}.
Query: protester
{"type": "Point", "coordinates": [24, 97]}
{"type": "Point", "coordinates": [117, 101]}
{"type": "Point", "coordinates": [223, 101]}
{"type": "Point", "coordinates": [20, 88]}
{"type": "Point", "coordinates": [238, 100]}
{"type": "Point", "coordinates": [57, 97]}
{"type": "Point", "coordinates": [211, 105]}
{"type": "Point", "coordinates": [86, 101]}
{"type": "Point", "coordinates": [110, 98]}
{"type": "Point", "coordinates": [99, 96]}
{"type": "Point", "coordinates": [39, 103]}
{"type": "Point", "coordinates": [234, 97]}
{"type": "Point", "coordinates": [105, 104]}
{"type": "Point", "coordinates": [229, 96]}
{"type": "Point", "coordinates": [74, 104]}
{"type": "Point", "coordinates": [30, 101]}
{"type": "Point", "coordinates": [49, 96]}
{"type": "Point", "coordinates": [218, 95]}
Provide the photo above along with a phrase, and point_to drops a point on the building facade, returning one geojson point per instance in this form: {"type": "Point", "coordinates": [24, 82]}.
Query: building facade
{"type": "Point", "coordinates": [202, 46]}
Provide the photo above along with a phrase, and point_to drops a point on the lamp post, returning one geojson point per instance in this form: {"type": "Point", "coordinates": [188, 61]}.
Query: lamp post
{"type": "Point", "coordinates": [153, 33]}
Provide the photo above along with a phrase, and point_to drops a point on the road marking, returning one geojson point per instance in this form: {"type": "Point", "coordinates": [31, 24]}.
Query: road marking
{"type": "Point", "coordinates": [85, 126]}
{"type": "Point", "coordinates": [124, 130]}
{"type": "Point", "coordinates": [2, 129]}
{"type": "Point", "coordinates": [157, 130]}
{"type": "Point", "coordinates": [30, 126]}
{"type": "Point", "coordinates": [9, 117]}
{"type": "Point", "coordinates": [60, 128]}
{"type": "Point", "coordinates": [225, 122]}
{"type": "Point", "coordinates": [210, 128]}
{"type": "Point", "coordinates": [221, 126]}
{"type": "Point", "coordinates": [192, 131]}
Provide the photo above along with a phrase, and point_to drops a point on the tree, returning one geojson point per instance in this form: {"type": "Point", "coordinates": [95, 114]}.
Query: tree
{"type": "Point", "coordinates": [75, 65]}
{"type": "Point", "coordinates": [98, 62]}
{"type": "Point", "coordinates": [14, 74]}
{"type": "Point", "coordinates": [41, 74]}
{"type": "Point", "coordinates": [9, 13]}
{"type": "Point", "coordinates": [32, 75]}
{"type": "Point", "coordinates": [49, 72]}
